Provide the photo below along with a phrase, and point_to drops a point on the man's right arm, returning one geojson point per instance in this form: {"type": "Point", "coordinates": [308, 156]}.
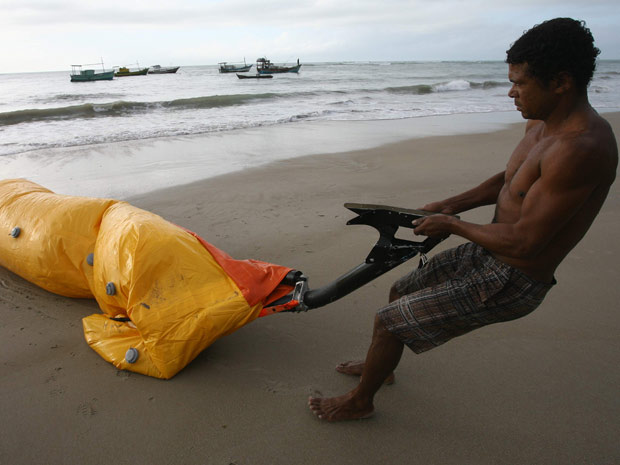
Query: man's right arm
{"type": "Point", "coordinates": [484, 194]}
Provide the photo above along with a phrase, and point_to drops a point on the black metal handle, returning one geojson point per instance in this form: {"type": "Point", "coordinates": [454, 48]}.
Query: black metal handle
{"type": "Point", "coordinates": [387, 253]}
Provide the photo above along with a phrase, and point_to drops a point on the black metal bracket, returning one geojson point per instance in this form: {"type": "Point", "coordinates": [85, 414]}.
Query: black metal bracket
{"type": "Point", "coordinates": [387, 253]}
{"type": "Point", "coordinates": [387, 220]}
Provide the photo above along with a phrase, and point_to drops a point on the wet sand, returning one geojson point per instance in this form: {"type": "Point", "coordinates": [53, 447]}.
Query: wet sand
{"type": "Point", "coordinates": [539, 390]}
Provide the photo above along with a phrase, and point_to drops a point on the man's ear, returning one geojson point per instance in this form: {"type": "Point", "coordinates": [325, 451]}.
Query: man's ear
{"type": "Point", "coordinates": [563, 82]}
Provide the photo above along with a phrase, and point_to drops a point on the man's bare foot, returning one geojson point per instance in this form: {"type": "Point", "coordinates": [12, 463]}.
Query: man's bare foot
{"type": "Point", "coordinates": [339, 408]}
{"type": "Point", "coordinates": [356, 368]}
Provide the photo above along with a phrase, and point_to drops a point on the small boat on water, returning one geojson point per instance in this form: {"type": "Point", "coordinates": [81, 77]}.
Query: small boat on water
{"type": "Point", "coordinates": [234, 67]}
{"type": "Point", "coordinates": [156, 69]}
{"type": "Point", "coordinates": [265, 66]}
{"type": "Point", "coordinates": [85, 75]}
{"type": "Point", "coordinates": [124, 71]}
{"type": "Point", "coordinates": [255, 76]}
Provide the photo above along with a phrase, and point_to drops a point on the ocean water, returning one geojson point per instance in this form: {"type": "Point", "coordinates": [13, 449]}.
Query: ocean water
{"type": "Point", "coordinates": [46, 110]}
{"type": "Point", "coordinates": [134, 135]}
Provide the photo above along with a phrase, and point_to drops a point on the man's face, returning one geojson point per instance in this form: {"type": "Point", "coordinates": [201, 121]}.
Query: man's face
{"type": "Point", "coordinates": [531, 98]}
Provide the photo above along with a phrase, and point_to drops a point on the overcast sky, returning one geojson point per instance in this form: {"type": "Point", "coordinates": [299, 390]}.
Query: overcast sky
{"type": "Point", "coordinates": [40, 35]}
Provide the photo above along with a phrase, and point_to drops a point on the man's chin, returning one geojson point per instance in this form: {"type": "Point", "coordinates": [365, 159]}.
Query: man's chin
{"type": "Point", "coordinates": [523, 114]}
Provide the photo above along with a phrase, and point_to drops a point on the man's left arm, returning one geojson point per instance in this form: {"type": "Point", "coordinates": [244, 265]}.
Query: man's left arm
{"type": "Point", "coordinates": [567, 180]}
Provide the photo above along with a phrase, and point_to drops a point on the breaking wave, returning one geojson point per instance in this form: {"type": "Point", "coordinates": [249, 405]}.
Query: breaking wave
{"type": "Point", "coordinates": [450, 86]}
{"type": "Point", "coordinates": [124, 108]}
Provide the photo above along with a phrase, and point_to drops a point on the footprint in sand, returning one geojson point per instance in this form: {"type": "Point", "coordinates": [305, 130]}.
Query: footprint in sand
{"type": "Point", "coordinates": [277, 387]}
{"type": "Point", "coordinates": [57, 392]}
{"type": "Point", "coordinates": [87, 409]}
{"type": "Point", "coordinates": [123, 374]}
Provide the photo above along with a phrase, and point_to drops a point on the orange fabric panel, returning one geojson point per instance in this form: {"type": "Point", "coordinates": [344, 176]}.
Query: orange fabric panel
{"type": "Point", "coordinates": [258, 281]}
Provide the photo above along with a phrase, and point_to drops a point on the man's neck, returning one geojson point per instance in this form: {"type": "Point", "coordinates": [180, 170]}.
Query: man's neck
{"type": "Point", "coordinates": [569, 114]}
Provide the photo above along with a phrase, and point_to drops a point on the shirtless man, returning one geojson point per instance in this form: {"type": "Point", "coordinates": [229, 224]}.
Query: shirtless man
{"type": "Point", "coordinates": [553, 187]}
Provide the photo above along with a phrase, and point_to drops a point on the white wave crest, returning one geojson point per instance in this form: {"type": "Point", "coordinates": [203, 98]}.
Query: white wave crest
{"type": "Point", "coordinates": [451, 86]}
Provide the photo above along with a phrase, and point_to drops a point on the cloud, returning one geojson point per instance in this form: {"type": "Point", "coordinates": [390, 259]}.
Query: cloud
{"type": "Point", "coordinates": [55, 33]}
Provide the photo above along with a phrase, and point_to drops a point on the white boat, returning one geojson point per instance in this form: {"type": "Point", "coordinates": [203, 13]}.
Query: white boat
{"type": "Point", "coordinates": [234, 67]}
{"type": "Point", "coordinates": [156, 69]}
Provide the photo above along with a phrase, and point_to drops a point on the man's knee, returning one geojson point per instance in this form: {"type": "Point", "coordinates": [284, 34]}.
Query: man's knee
{"type": "Point", "coordinates": [394, 293]}
{"type": "Point", "coordinates": [381, 334]}
{"type": "Point", "coordinates": [378, 326]}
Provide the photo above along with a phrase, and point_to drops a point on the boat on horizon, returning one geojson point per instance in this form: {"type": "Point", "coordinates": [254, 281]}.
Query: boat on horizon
{"type": "Point", "coordinates": [157, 69]}
{"type": "Point", "coordinates": [265, 66]}
{"type": "Point", "coordinates": [125, 71]}
{"type": "Point", "coordinates": [254, 76]}
{"type": "Point", "coordinates": [226, 67]}
{"type": "Point", "coordinates": [86, 75]}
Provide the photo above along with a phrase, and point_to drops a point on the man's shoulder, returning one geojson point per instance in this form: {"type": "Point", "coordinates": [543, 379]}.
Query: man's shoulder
{"type": "Point", "coordinates": [603, 136]}
{"type": "Point", "coordinates": [587, 150]}
{"type": "Point", "coordinates": [594, 140]}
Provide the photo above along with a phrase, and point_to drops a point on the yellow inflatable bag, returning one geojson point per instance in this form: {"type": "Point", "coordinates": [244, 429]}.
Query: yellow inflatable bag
{"type": "Point", "coordinates": [167, 283]}
{"type": "Point", "coordinates": [166, 294]}
{"type": "Point", "coordinates": [112, 340]}
{"type": "Point", "coordinates": [46, 238]}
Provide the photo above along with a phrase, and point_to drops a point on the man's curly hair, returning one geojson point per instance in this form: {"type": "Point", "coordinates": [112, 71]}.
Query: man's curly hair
{"type": "Point", "coordinates": [554, 46]}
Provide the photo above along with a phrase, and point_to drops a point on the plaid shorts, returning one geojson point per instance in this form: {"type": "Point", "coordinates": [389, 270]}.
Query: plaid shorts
{"type": "Point", "coordinates": [457, 291]}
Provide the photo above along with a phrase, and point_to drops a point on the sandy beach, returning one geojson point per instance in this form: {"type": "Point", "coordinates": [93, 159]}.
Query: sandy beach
{"type": "Point", "coordinates": [539, 390]}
